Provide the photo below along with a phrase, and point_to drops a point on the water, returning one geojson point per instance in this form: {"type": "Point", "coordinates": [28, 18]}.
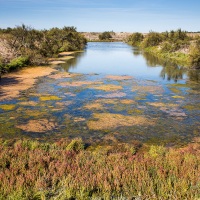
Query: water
{"type": "Point", "coordinates": [115, 93]}
{"type": "Point", "coordinates": [119, 58]}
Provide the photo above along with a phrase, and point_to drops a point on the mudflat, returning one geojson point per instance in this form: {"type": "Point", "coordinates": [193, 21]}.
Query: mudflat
{"type": "Point", "coordinates": [13, 83]}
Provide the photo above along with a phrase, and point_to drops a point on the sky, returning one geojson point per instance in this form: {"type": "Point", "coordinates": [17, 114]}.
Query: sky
{"type": "Point", "coordinates": [103, 15]}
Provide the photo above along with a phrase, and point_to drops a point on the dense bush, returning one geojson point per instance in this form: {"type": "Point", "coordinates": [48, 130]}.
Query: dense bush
{"type": "Point", "coordinates": [37, 45]}
{"type": "Point", "coordinates": [173, 46]}
{"type": "Point", "coordinates": [105, 36]}
{"type": "Point", "coordinates": [152, 39]}
{"type": "Point", "coordinates": [18, 63]}
{"type": "Point", "coordinates": [195, 55]}
{"type": "Point", "coordinates": [135, 39]}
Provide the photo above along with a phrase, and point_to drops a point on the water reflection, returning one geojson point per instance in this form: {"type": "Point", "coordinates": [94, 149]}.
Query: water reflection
{"type": "Point", "coordinates": [118, 58]}
{"type": "Point", "coordinates": [194, 75]}
{"type": "Point", "coordinates": [73, 63]}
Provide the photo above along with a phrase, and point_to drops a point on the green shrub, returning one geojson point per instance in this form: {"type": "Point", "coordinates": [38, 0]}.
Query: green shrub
{"type": "Point", "coordinates": [18, 63]}
{"type": "Point", "coordinates": [135, 38]}
{"type": "Point", "coordinates": [75, 145]}
{"type": "Point", "coordinates": [152, 39]}
{"type": "Point", "coordinates": [105, 36]}
{"type": "Point", "coordinates": [166, 47]}
{"type": "Point", "coordinates": [194, 58]}
{"type": "Point", "coordinates": [156, 151]}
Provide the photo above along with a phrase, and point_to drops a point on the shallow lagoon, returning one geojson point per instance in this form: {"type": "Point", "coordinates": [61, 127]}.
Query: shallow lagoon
{"type": "Point", "coordinates": [114, 93]}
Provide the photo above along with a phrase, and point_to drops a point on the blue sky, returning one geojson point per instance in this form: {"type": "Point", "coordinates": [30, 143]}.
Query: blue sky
{"type": "Point", "coordinates": [103, 15]}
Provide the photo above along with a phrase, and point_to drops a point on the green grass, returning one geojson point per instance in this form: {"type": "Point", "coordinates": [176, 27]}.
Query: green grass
{"type": "Point", "coordinates": [65, 170]}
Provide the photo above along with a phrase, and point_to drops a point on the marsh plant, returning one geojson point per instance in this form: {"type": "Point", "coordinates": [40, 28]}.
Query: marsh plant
{"type": "Point", "coordinates": [65, 170]}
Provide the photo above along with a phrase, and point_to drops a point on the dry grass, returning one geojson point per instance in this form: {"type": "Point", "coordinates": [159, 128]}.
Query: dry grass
{"type": "Point", "coordinates": [119, 78]}
{"type": "Point", "coordinates": [28, 103]}
{"type": "Point", "coordinates": [110, 121]}
{"type": "Point", "coordinates": [56, 62]}
{"type": "Point", "coordinates": [66, 53]}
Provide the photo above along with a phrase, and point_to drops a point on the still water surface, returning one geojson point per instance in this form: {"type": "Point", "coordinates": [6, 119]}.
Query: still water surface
{"type": "Point", "coordinates": [119, 58]}
{"type": "Point", "coordinates": [145, 99]}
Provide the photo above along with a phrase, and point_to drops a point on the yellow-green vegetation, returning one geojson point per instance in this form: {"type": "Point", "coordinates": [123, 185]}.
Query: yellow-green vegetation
{"type": "Point", "coordinates": [96, 106]}
{"type": "Point", "coordinates": [7, 106]}
{"type": "Point", "coordinates": [175, 46]}
{"type": "Point", "coordinates": [38, 126]}
{"type": "Point", "coordinates": [66, 170]}
{"type": "Point", "coordinates": [145, 89]}
{"type": "Point", "coordinates": [103, 121]}
{"type": "Point", "coordinates": [108, 87]}
{"type": "Point", "coordinates": [192, 106]}
{"type": "Point", "coordinates": [178, 97]}
{"type": "Point", "coordinates": [79, 83]}
{"type": "Point", "coordinates": [160, 104]}
{"type": "Point", "coordinates": [175, 90]}
{"type": "Point", "coordinates": [50, 98]}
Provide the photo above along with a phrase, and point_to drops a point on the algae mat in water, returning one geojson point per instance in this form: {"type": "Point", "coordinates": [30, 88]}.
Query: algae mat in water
{"type": "Point", "coordinates": [100, 107]}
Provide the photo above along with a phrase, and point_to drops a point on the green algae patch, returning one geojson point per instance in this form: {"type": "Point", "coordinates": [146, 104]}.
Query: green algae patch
{"type": "Point", "coordinates": [104, 121]}
{"type": "Point", "coordinates": [79, 83]}
{"type": "Point", "coordinates": [7, 107]}
{"type": "Point", "coordinates": [50, 98]}
{"type": "Point", "coordinates": [108, 88]}
{"type": "Point", "coordinates": [175, 90]}
{"type": "Point", "coordinates": [178, 97]}
{"type": "Point", "coordinates": [192, 107]}
{"type": "Point", "coordinates": [160, 104]}
{"type": "Point", "coordinates": [64, 75]}
{"type": "Point", "coordinates": [92, 106]}
{"type": "Point", "coordinates": [135, 111]}
{"type": "Point", "coordinates": [107, 101]}
{"type": "Point", "coordinates": [39, 126]}
{"type": "Point", "coordinates": [179, 85]}
{"type": "Point", "coordinates": [147, 89]}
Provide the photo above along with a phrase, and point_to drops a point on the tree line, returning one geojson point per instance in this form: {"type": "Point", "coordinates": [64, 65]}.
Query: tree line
{"type": "Point", "coordinates": [176, 43]}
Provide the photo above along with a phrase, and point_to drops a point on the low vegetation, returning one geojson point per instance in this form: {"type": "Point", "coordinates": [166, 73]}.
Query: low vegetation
{"type": "Point", "coordinates": [176, 46]}
{"type": "Point", "coordinates": [66, 170]}
{"type": "Point", "coordinates": [24, 45]}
